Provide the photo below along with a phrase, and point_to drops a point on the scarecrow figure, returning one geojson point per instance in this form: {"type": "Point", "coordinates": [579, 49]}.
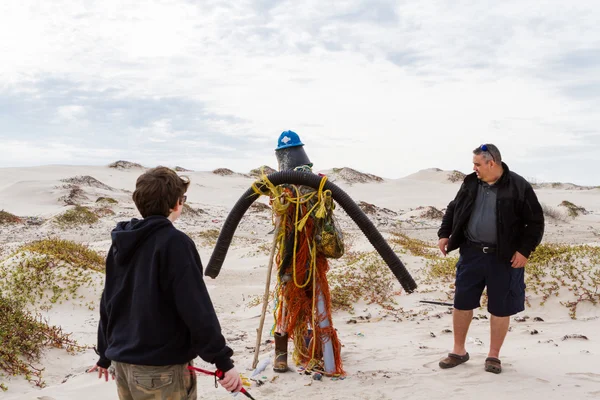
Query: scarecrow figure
{"type": "Point", "coordinates": [307, 236]}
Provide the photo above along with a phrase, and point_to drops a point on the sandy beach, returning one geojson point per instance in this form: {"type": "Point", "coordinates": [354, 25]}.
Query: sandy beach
{"type": "Point", "coordinates": [390, 351]}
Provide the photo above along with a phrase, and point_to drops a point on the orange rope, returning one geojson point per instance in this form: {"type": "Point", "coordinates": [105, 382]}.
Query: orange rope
{"type": "Point", "coordinates": [308, 267]}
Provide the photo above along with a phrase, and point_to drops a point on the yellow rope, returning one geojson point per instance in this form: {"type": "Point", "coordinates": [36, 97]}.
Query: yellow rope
{"type": "Point", "coordinates": [281, 202]}
{"type": "Point", "coordinates": [296, 246]}
{"type": "Point", "coordinates": [320, 203]}
{"type": "Point", "coordinates": [300, 225]}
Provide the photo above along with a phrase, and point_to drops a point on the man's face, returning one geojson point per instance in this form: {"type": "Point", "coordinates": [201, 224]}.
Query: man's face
{"type": "Point", "coordinates": [482, 167]}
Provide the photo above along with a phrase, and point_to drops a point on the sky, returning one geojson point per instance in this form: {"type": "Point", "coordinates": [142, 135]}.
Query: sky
{"type": "Point", "coordinates": [384, 87]}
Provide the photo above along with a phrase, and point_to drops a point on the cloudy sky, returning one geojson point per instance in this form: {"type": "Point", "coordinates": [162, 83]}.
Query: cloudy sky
{"type": "Point", "coordinates": [386, 87]}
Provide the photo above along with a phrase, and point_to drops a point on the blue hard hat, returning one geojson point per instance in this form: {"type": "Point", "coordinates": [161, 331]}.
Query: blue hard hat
{"type": "Point", "coordinates": [288, 139]}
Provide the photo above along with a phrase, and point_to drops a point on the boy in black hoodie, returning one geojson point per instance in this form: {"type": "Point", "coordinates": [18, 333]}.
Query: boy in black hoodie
{"type": "Point", "coordinates": [155, 314]}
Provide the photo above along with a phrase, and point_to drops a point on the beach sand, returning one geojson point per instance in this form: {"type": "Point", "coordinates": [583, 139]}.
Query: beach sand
{"type": "Point", "coordinates": [386, 354]}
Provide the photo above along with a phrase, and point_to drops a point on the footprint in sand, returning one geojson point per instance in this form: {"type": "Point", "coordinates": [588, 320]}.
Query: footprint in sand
{"type": "Point", "coordinates": [585, 376]}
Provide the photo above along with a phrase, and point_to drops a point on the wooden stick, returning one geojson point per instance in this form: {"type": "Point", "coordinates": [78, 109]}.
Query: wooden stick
{"type": "Point", "coordinates": [265, 298]}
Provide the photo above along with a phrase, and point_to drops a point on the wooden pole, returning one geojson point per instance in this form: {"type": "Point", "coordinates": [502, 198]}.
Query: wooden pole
{"type": "Point", "coordinates": [265, 298]}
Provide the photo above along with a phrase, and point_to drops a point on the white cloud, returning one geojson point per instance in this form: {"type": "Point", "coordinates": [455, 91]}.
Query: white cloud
{"type": "Point", "coordinates": [398, 85]}
{"type": "Point", "coordinates": [70, 113]}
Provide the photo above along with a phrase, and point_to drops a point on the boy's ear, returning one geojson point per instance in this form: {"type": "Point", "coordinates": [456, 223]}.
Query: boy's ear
{"type": "Point", "coordinates": [178, 206]}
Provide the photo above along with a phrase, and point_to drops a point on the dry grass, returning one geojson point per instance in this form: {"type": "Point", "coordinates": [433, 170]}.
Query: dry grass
{"type": "Point", "coordinates": [208, 237]}
{"type": "Point", "coordinates": [456, 176]}
{"type": "Point", "coordinates": [572, 209]}
{"type": "Point", "coordinates": [75, 196]}
{"type": "Point", "coordinates": [77, 216]}
{"type": "Point", "coordinates": [432, 213]}
{"type": "Point", "coordinates": [86, 180]}
{"type": "Point", "coordinates": [415, 247]}
{"type": "Point", "coordinates": [122, 164]}
{"type": "Point", "coordinates": [265, 169]}
{"type": "Point", "coordinates": [107, 200]}
{"type": "Point", "coordinates": [365, 276]}
{"type": "Point", "coordinates": [223, 172]}
{"type": "Point", "coordinates": [352, 176]}
{"type": "Point", "coordinates": [8, 218]}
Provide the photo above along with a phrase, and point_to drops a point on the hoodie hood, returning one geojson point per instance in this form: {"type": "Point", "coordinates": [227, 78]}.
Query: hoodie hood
{"type": "Point", "coordinates": [129, 235]}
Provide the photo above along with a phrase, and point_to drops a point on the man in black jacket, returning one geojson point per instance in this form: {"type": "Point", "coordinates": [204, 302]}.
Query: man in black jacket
{"type": "Point", "coordinates": [156, 315]}
{"type": "Point", "coordinates": [497, 222]}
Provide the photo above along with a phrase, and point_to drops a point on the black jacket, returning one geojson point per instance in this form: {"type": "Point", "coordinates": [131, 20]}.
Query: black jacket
{"type": "Point", "coordinates": [155, 309]}
{"type": "Point", "coordinates": [519, 215]}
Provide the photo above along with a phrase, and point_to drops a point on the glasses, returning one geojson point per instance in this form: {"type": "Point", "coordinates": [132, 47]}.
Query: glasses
{"type": "Point", "coordinates": [183, 199]}
{"type": "Point", "coordinates": [484, 147]}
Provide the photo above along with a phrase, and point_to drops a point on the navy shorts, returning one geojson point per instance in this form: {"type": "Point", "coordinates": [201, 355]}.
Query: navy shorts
{"type": "Point", "coordinates": [476, 270]}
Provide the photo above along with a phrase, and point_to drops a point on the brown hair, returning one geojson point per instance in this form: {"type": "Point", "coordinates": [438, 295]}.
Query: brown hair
{"type": "Point", "coordinates": [158, 191]}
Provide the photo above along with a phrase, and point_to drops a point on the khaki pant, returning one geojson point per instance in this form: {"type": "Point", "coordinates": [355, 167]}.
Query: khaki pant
{"type": "Point", "coordinates": [144, 382]}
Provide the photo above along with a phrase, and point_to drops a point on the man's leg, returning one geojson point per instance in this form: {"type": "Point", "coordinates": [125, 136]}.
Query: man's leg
{"type": "Point", "coordinates": [469, 286]}
{"type": "Point", "coordinates": [498, 330]}
{"type": "Point", "coordinates": [461, 320]}
{"type": "Point", "coordinates": [506, 297]}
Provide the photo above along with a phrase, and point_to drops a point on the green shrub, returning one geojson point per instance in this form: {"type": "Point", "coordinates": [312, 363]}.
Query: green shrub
{"type": "Point", "coordinates": [441, 269]}
{"type": "Point", "coordinates": [24, 338]}
{"type": "Point", "coordinates": [48, 271]}
{"type": "Point", "coordinates": [108, 200]}
{"type": "Point", "coordinates": [573, 271]}
{"type": "Point", "coordinates": [365, 276]}
{"type": "Point", "coordinates": [79, 215]}
{"type": "Point", "coordinates": [415, 247]}
{"type": "Point", "coordinates": [572, 209]}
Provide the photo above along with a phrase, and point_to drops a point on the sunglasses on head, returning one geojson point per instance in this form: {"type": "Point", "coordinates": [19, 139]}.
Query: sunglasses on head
{"type": "Point", "coordinates": [484, 147]}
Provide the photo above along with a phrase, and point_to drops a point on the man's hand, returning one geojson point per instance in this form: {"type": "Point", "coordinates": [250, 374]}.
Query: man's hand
{"type": "Point", "coordinates": [518, 260]}
{"type": "Point", "coordinates": [232, 381]}
{"type": "Point", "coordinates": [101, 372]}
{"type": "Point", "coordinates": [443, 245]}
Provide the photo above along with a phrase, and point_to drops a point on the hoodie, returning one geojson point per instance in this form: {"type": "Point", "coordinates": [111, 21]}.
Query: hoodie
{"type": "Point", "coordinates": [155, 308]}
